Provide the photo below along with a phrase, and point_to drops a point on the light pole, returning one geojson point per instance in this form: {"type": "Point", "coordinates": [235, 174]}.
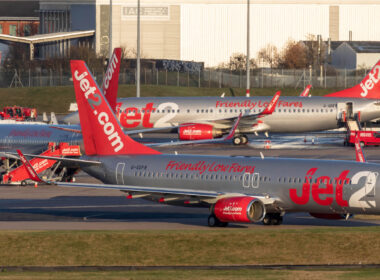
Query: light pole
{"type": "Point", "coordinates": [110, 35]}
{"type": "Point", "coordinates": [138, 51]}
{"type": "Point", "coordinates": [248, 89]}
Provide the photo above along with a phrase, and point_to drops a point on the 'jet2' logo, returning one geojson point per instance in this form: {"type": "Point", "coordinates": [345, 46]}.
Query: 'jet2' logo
{"type": "Point", "coordinates": [371, 81]}
{"type": "Point", "coordinates": [95, 101]}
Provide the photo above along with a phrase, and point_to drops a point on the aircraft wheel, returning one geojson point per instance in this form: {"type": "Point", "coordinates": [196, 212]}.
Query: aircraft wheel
{"type": "Point", "coordinates": [212, 221]}
{"type": "Point", "coordinates": [237, 141]}
{"type": "Point", "coordinates": [215, 222]}
{"type": "Point", "coordinates": [276, 220]}
{"type": "Point", "coordinates": [272, 219]}
{"type": "Point", "coordinates": [23, 183]}
{"type": "Point", "coordinates": [244, 139]}
{"type": "Point", "coordinates": [362, 144]}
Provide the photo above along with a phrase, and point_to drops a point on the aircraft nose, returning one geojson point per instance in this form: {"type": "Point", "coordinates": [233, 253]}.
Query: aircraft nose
{"type": "Point", "coordinates": [72, 118]}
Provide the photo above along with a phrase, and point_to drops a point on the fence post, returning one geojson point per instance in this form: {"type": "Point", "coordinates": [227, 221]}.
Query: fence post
{"type": "Point", "coordinates": [262, 77]}
{"type": "Point", "coordinates": [220, 79]}
{"type": "Point", "coordinates": [209, 78]}
{"type": "Point", "coordinates": [239, 78]}
{"type": "Point", "coordinates": [199, 78]}
{"type": "Point", "coordinates": [345, 78]}
{"type": "Point", "coordinates": [144, 75]}
{"type": "Point", "coordinates": [177, 78]}
{"type": "Point", "coordinates": [166, 77]}
{"type": "Point", "coordinates": [29, 75]}
{"type": "Point", "coordinates": [156, 76]}
{"type": "Point", "coordinates": [60, 76]}
{"type": "Point", "coordinates": [188, 78]}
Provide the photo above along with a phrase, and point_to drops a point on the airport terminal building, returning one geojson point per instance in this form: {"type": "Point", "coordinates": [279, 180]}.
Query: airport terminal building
{"type": "Point", "coordinates": [209, 31]}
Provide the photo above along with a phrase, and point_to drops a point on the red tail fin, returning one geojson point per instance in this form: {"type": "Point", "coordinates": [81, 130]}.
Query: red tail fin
{"type": "Point", "coordinates": [272, 105]}
{"type": "Point", "coordinates": [111, 79]}
{"type": "Point", "coordinates": [102, 134]}
{"type": "Point", "coordinates": [358, 149]}
{"type": "Point", "coordinates": [368, 88]}
{"type": "Point", "coordinates": [306, 91]}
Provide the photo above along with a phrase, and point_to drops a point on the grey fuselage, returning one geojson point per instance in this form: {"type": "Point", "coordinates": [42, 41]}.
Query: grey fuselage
{"type": "Point", "coordinates": [34, 138]}
{"type": "Point", "coordinates": [292, 114]}
{"type": "Point", "coordinates": [304, 185]}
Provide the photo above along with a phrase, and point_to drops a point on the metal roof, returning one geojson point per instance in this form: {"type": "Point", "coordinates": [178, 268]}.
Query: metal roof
{"type": "Point", "coordinates": [50, 37]}
{"type": "Point", "coordinates": [365, 46]}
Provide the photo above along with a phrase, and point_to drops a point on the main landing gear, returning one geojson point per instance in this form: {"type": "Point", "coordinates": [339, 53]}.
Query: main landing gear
{"type": "Point", "coordinates": [215, 222]}
{"type": "Point", "coordinates": [272, 219]}
{"type": "Point", "coordinates": [240, 140]}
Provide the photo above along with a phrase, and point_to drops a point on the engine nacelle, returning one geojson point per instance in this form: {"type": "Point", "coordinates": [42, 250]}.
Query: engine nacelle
{"type": "Point", "coordinates": [328, 216]}
{"type": "Point", "coordinates": [241, 209]}
{"type": "Point", "coordinates": [198, 132]}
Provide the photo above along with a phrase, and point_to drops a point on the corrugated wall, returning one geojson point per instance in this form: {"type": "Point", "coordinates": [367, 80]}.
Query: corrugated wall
{"type": "Point", "coordinates": [362, 20]}
{"type": "Point", "coordinates": [211, 33]}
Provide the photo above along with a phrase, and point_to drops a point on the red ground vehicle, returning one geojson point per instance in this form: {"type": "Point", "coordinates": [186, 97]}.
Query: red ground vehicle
{"type": "Point", "coordinates": [367, 137]}
{"type": "Point", "coordinates": [50, 168]}
{"type": "Point", "coordinates": [18, 113]}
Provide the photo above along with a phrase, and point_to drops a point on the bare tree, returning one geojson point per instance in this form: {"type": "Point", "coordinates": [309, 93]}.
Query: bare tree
{"type": "Point", "coordinates": [238, 61]}
{"type": "Point", "coordinates": [315, 50]}
{"type": "Point", "coordinates": [269, 55]}
{"type": "Point", "coordinates": [294, 55]}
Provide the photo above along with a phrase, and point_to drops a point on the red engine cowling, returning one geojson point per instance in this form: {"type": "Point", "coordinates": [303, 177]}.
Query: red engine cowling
{"type": "Point", "coordinates": [327, 216]}
{"type": "Point", "coordinates": [241, 209]}
{"type": "Point", "coordinates": [198, 132]}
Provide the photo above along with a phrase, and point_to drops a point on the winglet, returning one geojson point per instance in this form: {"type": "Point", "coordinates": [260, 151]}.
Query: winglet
{"type": "Point", "coordinates": [305, 92]}
{"type": "Point", "coordinates": [29, 168]}
{"type": "Point", "coordinates": [272, 105]}
{"type": "Point", "coordinates": [358, 149]}
{"type": "Point", "coordinates": [233, 128]}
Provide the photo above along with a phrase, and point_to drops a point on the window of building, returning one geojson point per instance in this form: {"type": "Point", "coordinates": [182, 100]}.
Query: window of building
{"type": "Point", "coordinates": [27, 30]}
{"type": "Point", "coordinates": [12, 30]}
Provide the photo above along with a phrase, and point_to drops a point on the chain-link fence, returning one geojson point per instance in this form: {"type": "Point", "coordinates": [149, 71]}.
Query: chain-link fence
{"type": "Point", "coordinates": [201, 78]}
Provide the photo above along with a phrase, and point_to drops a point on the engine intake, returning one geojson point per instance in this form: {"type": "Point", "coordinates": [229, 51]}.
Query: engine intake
{"type": "Point", "coordinates": [198, 132]}
{"type": "Point", "coordinates": [242, 209]}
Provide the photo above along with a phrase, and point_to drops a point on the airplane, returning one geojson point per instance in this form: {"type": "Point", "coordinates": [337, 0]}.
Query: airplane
{"type": "Point", "coordinates": [235, 189]}
{"type": "Point", "coordinates": [35, 137]}
{"type": "Point", "coordinates": [214, 116]}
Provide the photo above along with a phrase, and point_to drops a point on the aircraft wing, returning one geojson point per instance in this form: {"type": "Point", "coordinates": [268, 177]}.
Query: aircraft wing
{"type": "Point", "coordinates": [171, 194]}
{"type": "Point", "coordinates": [251, 120]}
{"type": "Point", "coordinates": [229, 136]}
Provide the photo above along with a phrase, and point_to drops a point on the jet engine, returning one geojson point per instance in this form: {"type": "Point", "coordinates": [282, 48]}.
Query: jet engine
{"type": "Point", "coordinates": [241, 209]}
{"type": "Point", "coordinates": [198, 132]}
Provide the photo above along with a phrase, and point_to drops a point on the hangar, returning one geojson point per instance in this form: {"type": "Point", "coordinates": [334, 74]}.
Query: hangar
{"type": "Point", "coordinates": [209, 30]}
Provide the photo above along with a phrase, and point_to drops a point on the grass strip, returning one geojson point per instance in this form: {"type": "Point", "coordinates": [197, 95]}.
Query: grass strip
{"type": "Point", "coordinates": [217, 247]}
{"type": "Point", "coordinates": [58, 99]}
{"type": "Point", "coordinates": [200, 274]}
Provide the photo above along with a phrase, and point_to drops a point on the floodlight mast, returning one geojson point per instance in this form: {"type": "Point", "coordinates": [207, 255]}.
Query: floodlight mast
{"type": "Point", "coordinates": [138, 51]}
{"type": "Point", "coordinates": [110, 34]}
{"type": "Point", "coordinates": [248, 89]}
